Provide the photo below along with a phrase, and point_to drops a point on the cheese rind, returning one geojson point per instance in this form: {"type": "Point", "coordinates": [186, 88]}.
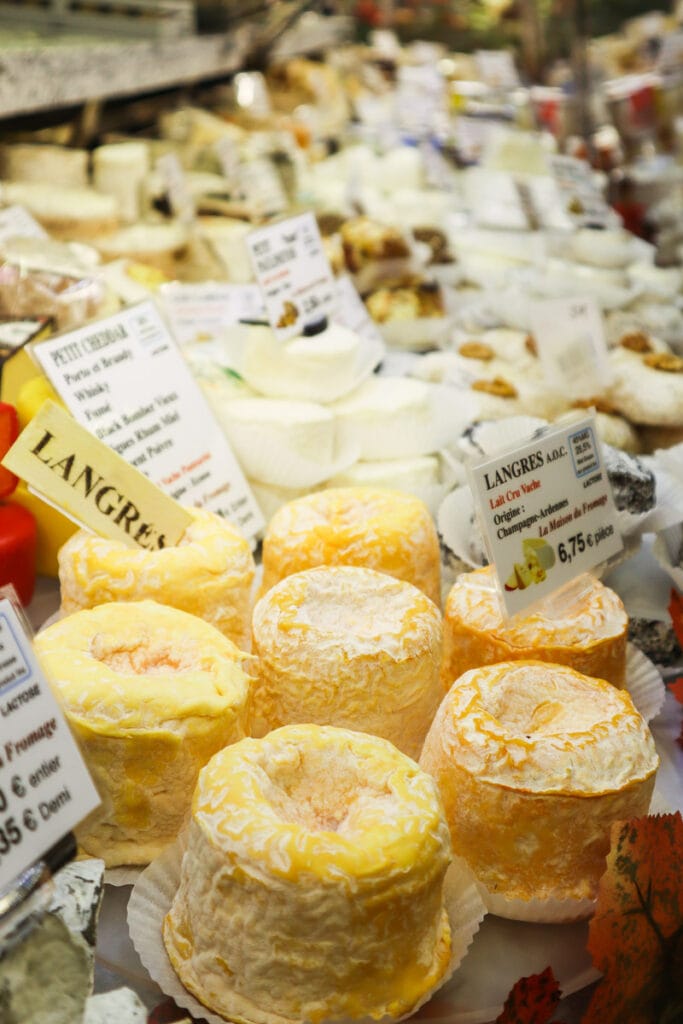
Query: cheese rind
{"type": "Point", "coordinates": [350, 647]}
{"type": "Point", "coordinates": [311, 888]}
{"type": "Point", "coordinates": [208, 574]}
{"type": "Point", "coordinates": [590, 636]}
{"type": "Point", "coordinates": [151, 694]}
{"type": "Point", "coordinates": [374, 528]}
{"type": "Point", "coordinates": [534, 762]}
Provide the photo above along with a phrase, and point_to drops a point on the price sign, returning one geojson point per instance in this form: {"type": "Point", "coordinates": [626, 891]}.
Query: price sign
{"type": "Point", "coordinates": [497, 68]}
{"type": "Point", "coordinates": [547, 512]}
{"type": "Point", "coordinates": [579, 195]}
{"type": "Point", "coordinates": [262, 186]}
{"type": "Point", "coordinates": [228, 155]}
{"type": "Point", "coordinates": [125, 380]}
{"type": "Point", "coordinates": [294, 274]}
{"type": "Point", "coordinates": [200, 312]}
{"type": "Point", "coordinates": [179, 194]}
{"type": "Point", "coordinates": [45, 788]}
{"type": "Point", "coordinates": [570, 336]}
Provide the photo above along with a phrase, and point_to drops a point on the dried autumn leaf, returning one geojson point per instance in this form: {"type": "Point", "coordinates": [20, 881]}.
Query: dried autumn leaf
{"type": "Point", "coordinates": [676, 613]}
{"type": "Point", "coordinates": [532, 1000]}
{"type": "Point", "coordinates": [635, 937]}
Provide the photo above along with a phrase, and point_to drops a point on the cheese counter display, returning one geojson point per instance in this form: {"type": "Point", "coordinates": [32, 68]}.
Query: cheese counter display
{"type": "Point", "coordinates": [343, 779]}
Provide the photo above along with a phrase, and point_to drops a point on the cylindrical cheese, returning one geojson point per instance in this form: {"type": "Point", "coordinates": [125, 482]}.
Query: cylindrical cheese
{"type": "Point", "coordinates": [312, 885]}
{"type": "Point", "coordinates": [534, 762]}
{"type": "Point", "coordinates": [151, 694]}
{"type": "Point", "coordinates": [208, 574]}
{"type": "Point", "coordinates": [350, 647]}
{"type": "Point", "coordinates": [369, 527]}
{"type": "Point", "coordinates": [589, 634]}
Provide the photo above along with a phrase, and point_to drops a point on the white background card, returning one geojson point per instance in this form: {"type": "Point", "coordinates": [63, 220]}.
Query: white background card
{"type": "Point", "coordinates": [547, 511]}
{"type": "Point", "coordinates": [570, 337]}
{"type": "Point", "coordinates": [125, 380]}
{"type": "Point", "coordinates": [45, 788]}
{"type": "Point", "coordinates": [294, 274]}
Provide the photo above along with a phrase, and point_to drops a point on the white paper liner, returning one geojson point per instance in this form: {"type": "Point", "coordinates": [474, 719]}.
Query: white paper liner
{"type": "Point", "coordinates": [644, 683]}
{"type": "Point", "coordinates": [668, 469]}
{"type": "Point", "coordinates": [495, 436]}
{"type": "Point", "coordinates": [666, 549]}
{"type": "Point", "coordinates": [153, 894]}
{"type": "Point", "coordinates": [127, 874]}
{"type": "Point", "coordinates": [537, 911]}
{"type": "Point", "coordinates": [456, 528]}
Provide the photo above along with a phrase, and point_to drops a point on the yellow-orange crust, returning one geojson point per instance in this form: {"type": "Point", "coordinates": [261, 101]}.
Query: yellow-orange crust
{"type": "Point", "coordinates": [591, 637]}
{"type": "Point", "coordinates": [534, 762]}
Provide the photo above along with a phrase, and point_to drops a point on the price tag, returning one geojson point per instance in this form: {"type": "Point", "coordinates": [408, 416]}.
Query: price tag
{"type": "Point", "coordinates": [570, 336]}
{"type": "Point", "coordinates": [420, 98]}
{"type": "Point", "coordinates": [472, 136]}
{"type": "Point", "coordinates": [88, 481]}
{"type": "Point", "coordinates": [201, 312]}
{"type": "Point", "coordinates": [229, 158]}
{"type": "Point", "coordinates": [294, 274]}
{"type": "Point", "coordinates": [547, 512]}
{"type": "Point", "coordinates": [352, 312]}
{"type": "Point", "coordinates": [179, 195]}
{"type": "Point", "coordinates": [45, 788]}
{"type": "Point", "coordinates": [262, 187]}
{"type": "Point", "coordinates": [16, 222]}
{"type": "Point", "coordinates": [579, 194]}
{"type": "Point", "coordinates": [125, 380]}
{"type": "Point", "coordinates": [497, 68]}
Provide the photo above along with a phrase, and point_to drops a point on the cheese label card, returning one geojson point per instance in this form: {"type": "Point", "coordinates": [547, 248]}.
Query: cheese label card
{"type": "Point", "coordinates": [179, 195]}
{"type": "Point", "coordinates": [16, 222]}
{"type": "Point", "coordinates": [201, 312]}
{"type": "Point", "coordinates": [229, 158]}
{"type": "Point", "coordinates": [579, 194]}
{"type": "Point", "coordinates": [261, 185]}
{"type": "Point", "coordinates": [497, 68]}
{"type": "Point", "coordinates": [547, 512]}
{"type": "Point", "coordinates": [570, 338]}
{"type": "Point", "coordinates": [92, 484]}
{"type": "Point", "coordinates": [352, 312]}
{"type": "Point", "coordinates": [294, 274]}
{"type": "Point", "coordinates": [125, 380]}
{"type": "Point", "coordinates": [45, 788]}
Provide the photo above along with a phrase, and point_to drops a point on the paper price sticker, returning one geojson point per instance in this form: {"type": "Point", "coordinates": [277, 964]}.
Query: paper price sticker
{"type": "Point", "coordinates": [294, 274]}
{"type": "Point", "coordinates": [228, 155]}
{"type": "Point", "coordinates": [570, 337]}
{"type": "Point", "coordinates": [45, 788]}
{"type": "Point", "coordinates": [547, 512]}
{"type": "Point", "coordinates": [497, 68]}
{"type": "Point", "coordinates": [125, 380]}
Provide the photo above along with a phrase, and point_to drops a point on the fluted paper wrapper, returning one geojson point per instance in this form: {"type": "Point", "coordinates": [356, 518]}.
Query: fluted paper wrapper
{"type": "Point", "coordinates": [154, 892]}
{"type": "Point", "coordinates": [644, 683]}
{"type": "Point", "coordinates": [667, 550]}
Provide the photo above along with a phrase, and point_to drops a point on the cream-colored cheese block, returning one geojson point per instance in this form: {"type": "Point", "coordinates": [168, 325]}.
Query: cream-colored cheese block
{"type": "Point", "coordinates": [312, 884]}
{"type": "Point", "coordinates": [370, 527]}
{"type": "Point", "coordinates": [151, 694]}
{"type": "Point", "coordinates": [58, 165]}
{"type": "Point", "coordinates": [534, 762]}
{"type": "Point", "coordinates": [395, 417]}
{"type": "Point", "coordinates": [226, 237]}
{"type": "Point", "coordinates": [158, 245]}
{"type": "Point", "coordinates": [647, 387]}
{"type": "Point", "coordinates": [589, 635]}
{"type": "Point", "coordinates": [65, 212]}
{"type": "Point", "coordinates": [351, 647]}
{"type": "Point", "coordinates": [273, 438]}
{"type": "Point", "coordinates": [208, 574]}
{"type": "Point", "coordinates": [320, 368]}
{"type": "Point", "coordinates": [605, 248]}
{"type": "Point", "coordinates": [119, 170]}
{"type": "Point", "coordinates": [420, 476]}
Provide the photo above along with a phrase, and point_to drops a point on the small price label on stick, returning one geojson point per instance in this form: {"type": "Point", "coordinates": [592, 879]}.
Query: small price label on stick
{"type": "Point", "coordinates": [570, 337]}
{"type": "Point", "coordinates": [294, 274]}
{"type": "Point", "coordinates": [45, 788]}
{"type": "Point", "coordinates": [547, 512]}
